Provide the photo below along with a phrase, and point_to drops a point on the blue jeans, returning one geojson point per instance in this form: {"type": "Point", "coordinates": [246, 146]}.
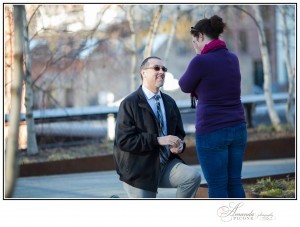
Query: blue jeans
{"type": "Point", "coordinates": [220, 154]}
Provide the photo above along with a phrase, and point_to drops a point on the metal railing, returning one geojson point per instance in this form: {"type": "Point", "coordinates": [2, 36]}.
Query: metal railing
{"type": "Point", "coordinates": [88, 124]}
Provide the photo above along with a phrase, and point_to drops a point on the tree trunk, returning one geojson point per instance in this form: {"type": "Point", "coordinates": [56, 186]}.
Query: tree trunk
{"type": "Point", "coordinates": [8, 57]}
{"type": "Point", "coordinates": [133, 73]}
{"type": "Point", "coordinates": [8, 61]}
{"type": "Point", "coordinates": [32, 148]}
{"type": "Point", "coordinates": [172, 34]}
{"type": "Point", "coordinates": [266, 69]}
{"type": "Point", "coordinates": [11, 165]}
{"type": "Point", "coordinates": [291, 72]}
{"type": "Point", "coordinates": [152, 32]}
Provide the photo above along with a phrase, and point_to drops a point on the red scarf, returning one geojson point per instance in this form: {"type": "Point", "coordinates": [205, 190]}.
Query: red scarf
{"type": "Point", "coordinates": [213, 45]}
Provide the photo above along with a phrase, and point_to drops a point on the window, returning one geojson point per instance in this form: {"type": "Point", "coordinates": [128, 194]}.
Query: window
{"type": "Point", "coordinates": [243, 41]}
{"type": "Point", "coordinates": [268, 39]}
{"type": "Point", "coordinates": [69, 94]}
{"type": "Point", "coordinates": [266, 12]}
{"type": "Point", "coordinates": [48, 97]}
{"type": "Point", "coordinates": [229, 40]}
{"type": "Point", "coordinates": [258, 74]}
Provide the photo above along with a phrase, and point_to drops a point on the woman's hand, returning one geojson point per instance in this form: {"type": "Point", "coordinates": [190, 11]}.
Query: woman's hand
{"type": "Point", "coordinates": [196, 45]}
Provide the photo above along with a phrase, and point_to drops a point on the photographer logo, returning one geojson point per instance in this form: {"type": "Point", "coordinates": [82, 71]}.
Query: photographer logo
{"type": "Point", "coordinates": [236, 212]}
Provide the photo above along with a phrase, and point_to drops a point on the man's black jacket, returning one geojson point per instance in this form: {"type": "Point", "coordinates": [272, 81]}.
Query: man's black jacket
{"type": "Point", "coordinates": [136, 149]}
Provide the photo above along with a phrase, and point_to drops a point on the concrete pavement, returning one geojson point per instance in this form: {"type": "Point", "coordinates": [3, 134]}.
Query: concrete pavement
{"type": "Point", "coordinates": [104, 184]}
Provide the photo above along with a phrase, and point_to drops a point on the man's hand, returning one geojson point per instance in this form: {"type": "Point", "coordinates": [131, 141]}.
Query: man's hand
{"type": "Point", "coordinates": [173, 141]}
{"type": "Point", "coordinates": [177, 150]}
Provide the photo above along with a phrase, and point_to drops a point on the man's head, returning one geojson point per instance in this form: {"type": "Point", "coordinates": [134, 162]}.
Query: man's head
{"type": "Point", "coordinates": [153, 73]}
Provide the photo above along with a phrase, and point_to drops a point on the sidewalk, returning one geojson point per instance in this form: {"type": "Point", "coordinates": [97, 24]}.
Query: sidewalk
{"type": "Point", "coordinates": [104, 184]}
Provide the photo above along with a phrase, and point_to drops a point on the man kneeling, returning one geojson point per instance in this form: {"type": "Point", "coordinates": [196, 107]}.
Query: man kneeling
{"type": "Point", "coordinates": [149, 137]}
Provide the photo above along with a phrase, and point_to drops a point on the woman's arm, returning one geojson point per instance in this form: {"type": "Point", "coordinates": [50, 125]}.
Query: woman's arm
{"type": "Point", "coordinates": [192, 76]}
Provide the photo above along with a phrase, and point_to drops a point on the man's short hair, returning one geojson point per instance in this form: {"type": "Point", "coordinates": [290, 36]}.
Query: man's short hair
{"type": "Point", "coordinates": [145, 62]}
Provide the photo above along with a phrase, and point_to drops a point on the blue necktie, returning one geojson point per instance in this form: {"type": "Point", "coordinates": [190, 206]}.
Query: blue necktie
{"type": "Point", "coordinates": [163, 152]}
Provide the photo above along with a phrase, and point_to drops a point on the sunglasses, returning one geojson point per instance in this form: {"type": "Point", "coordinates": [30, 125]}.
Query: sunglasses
{"type": "Point", "coordinates": [157, 68]}
{"type": "Point", "coordinates": [193, 29]}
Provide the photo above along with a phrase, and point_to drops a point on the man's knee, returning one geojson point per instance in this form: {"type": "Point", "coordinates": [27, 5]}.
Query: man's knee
{"type": "Point", "coordinates": [195, 177]}
{"type": "Point", "coordinates": [198, 177]}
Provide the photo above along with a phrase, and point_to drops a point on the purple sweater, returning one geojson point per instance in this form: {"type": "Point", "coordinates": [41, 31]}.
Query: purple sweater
{"type": "Point", "coordinates": [216, 79]}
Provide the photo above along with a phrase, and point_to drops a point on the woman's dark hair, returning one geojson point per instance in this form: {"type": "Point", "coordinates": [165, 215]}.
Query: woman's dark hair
{"type": "Point", "coordinates": [212, 27]}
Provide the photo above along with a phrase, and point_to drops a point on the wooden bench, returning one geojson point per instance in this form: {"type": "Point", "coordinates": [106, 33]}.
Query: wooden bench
{"type": "Point", "coordinates": [250, 101]}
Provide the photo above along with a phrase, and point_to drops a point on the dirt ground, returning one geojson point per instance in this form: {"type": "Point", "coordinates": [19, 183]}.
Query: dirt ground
{"type": "Point", "coordinates": [106, 147]}
{"type": "Point", "coordinates": [260, 134]}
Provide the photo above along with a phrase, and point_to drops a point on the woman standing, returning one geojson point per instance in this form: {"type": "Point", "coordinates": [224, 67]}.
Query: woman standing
{"type": "Point", "coordinates": [213, 77]}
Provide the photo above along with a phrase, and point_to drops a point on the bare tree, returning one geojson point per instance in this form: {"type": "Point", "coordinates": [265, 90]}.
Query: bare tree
{"type": "Point", "coordinates": [11, 166]}
{"type": "Point", "coordinates": [133, 48]}
{"type": "Point", "coordinates": [32, 147]}
{"type": "Point", "coordinates": [266, 68]}
{"type": "Point", "coordinates": [153, 31]}
{"type": "Point", "coordinates": [64, 48]}
{"type": "Point", "coordinates": [290, 70]}
{"type": "Point", "coordinates": [257, 18]}
{"type": "Point", "coordinates": [8, 56]}
{"type": "Point", "coordinates": [172, 34]}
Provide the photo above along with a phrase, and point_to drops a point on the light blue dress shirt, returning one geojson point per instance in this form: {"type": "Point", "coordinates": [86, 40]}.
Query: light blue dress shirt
{"type": "Point", "coordinates": [150, 99]}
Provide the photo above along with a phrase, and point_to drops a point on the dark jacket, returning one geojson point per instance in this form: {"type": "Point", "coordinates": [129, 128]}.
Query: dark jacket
{"type": "Point", "coordinates": [136, 149]}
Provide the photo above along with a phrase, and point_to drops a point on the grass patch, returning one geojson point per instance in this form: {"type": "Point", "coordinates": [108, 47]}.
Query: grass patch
{"type": "Point", "coordinates": [66, 153]}
{"type": "Point", "coordinates": [106, 147]}
{"type": "Point", "coordinates": [272, 188]}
